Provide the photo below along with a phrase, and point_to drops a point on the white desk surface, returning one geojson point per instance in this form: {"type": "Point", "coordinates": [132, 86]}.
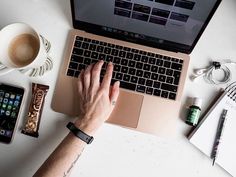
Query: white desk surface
{"type": "Point", "coordinates": [116, 151]}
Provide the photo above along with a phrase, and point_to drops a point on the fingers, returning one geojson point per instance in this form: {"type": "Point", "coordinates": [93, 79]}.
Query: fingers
{"type": "Point", "coordinates": [80, 82]}
{"type": "Point", "coordinates": [114, 93]}
{"type": "Point", "coordinates": [95, 79]}
{"type": "Point", "coordinates": [107, 78]}
{"type": "Point", "coordinates": [87, 77]}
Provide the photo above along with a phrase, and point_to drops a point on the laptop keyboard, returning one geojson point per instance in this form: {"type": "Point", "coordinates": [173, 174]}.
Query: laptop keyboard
{"type": "Point", "coordinates": [137, 70]}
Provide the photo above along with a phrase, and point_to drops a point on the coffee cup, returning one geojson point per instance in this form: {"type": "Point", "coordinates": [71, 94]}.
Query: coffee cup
{"type": "Point", "coordinates": [21, 47]}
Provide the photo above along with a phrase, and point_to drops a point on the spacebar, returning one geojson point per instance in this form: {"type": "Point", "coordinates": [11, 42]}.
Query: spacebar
{"type": "Point", "coordinates": [127, 85]}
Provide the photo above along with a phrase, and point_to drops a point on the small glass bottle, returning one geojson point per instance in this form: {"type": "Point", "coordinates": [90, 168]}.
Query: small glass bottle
{"type": "Point", "coordinates": [194, 112]}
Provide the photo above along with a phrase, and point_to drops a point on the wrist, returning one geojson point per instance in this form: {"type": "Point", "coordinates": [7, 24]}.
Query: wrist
{"type": "Point", "coordinates": [86, 127]}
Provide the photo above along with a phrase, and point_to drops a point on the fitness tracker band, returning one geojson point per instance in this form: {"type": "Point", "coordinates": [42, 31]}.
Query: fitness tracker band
{"type": "Point", "coordinates": [79, 133]}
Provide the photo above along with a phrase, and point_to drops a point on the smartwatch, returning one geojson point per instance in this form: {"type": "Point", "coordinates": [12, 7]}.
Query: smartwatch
{"type": "Point", "coordinates": [79, 133]}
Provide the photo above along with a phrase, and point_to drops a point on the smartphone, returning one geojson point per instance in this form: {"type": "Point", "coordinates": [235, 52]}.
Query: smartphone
{"type": "Point", "coordinates": [10, 103]}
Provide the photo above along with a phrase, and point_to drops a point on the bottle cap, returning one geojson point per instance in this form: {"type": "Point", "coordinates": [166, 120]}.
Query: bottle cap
{"type": "Point", "coordinates": [197, 102]}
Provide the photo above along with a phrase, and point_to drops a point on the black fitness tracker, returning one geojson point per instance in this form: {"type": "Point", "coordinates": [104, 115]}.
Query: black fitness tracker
{"type": "Point", "coordinates": [79, 133]}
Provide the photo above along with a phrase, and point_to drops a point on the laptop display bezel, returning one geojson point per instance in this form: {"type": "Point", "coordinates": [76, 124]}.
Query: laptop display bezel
{"type": "Point", "coordinates": [167, 45]}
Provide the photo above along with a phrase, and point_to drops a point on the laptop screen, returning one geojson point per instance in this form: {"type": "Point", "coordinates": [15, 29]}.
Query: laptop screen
{"type": "Point", "coordinates": [168, 24]}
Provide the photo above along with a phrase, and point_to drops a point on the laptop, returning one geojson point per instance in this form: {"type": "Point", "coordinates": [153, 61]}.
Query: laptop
{"type": "Point", "coordinates": [149, 43]}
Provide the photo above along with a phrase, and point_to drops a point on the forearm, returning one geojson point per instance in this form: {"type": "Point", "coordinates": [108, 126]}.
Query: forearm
{"type": "Point", "coordinates": [62, 160]}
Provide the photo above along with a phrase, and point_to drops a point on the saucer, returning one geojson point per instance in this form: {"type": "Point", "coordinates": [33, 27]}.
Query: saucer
{"type": "Point", "coordinates": [35, 72]}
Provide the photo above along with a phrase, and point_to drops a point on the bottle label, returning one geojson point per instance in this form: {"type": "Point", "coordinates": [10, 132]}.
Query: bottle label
{"type": "Point", "coordinates": [193, 116]}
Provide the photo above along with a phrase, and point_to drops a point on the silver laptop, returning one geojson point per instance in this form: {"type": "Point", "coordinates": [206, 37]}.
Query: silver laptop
{"type": "Point", "coordinates": [148, 43]}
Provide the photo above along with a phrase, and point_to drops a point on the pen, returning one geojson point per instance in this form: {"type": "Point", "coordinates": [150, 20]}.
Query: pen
{"type": "Point", "coordinates": [218, 137]}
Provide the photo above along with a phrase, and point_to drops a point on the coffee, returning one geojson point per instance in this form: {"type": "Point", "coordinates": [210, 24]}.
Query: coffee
{"type": "Point", "coordinates": [23, 49]}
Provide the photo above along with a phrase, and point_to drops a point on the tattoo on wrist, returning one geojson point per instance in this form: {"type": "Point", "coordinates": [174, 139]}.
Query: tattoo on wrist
{"type": "Point", "coordinates": [72, 165]}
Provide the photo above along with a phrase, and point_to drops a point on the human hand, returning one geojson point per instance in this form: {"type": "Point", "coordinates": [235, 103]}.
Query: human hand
{"type": "Point", "coordinates": [96, 101]}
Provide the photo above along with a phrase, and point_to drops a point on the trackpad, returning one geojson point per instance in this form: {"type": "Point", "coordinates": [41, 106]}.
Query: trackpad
{"type": "Point", "coordinates": [127, 110]}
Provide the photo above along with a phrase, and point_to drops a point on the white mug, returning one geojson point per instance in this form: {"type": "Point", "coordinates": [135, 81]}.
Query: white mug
{"type": "Point", "coordinates": [9, 34]}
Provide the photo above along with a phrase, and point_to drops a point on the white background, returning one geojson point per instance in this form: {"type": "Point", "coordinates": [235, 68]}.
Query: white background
{"type": "Point", "coordinates": [116, 151]}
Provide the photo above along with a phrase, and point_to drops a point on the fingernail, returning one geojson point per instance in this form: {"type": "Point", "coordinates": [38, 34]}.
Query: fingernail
{"type": "Point", "coordinates": [110, 63]}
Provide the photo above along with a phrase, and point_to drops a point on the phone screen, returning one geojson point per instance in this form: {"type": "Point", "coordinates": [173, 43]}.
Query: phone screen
{"type": "Point", "coordinates": [10, 102]}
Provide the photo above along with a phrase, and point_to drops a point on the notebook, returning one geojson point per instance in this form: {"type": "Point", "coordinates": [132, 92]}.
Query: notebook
{"type": "Point", "coordinates": [203, 136]}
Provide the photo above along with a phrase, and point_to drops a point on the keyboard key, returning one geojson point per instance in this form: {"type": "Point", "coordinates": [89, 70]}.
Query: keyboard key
{"type": "Point", "coordinates": [151, 54]}
{"type": "Point", "coordinates": [152, 60]}
{"type": "Point", "coordinates": [169, 87]}
{"type": "Point", "coordinates": [87, 61]}
{"type": "Point", "coordinates": [140, 88]}
{"type": "Point", "coordinates": [176, 66]}
{"type": "Point", "coordinates": [124, 62]}
{"type": "Point", "coordinates": [109, 58]}
{"type": "Point", "coordinates": [181, 61]}
{"type": "Point", "coordinates": [137, 57]}
{"type": "Point", "coordinates": [147, 67]}
{"type": "Point", "coordinates": [176, 76]}
{"type": "Point", "coordinates": [169, 80]}
{"type": "Point", "coordinates": [119, 47]}
{"type": "Point", "coordinates": [122, 54]}
{"type": "Point", "coordinates": [134, 79]}
{"type": "Point", "coordinates": [107, 50]}
{"type": "Point", "coordinates": [157, 92]}
{"type": "Point", "coordinates": [87, 40]}
{"type": "Point", "coordinates": [102, 56]}
{"type": "Point", "coordinates": [111, 45]}
{"type": "Point", "coordinates": [116, 60]}
{"type": "Point", "coordinates": [156, 84]}
{"type": "Point", "coordinates": [175, 60]}
{"type": "Point", "coordinates": [132, 71]}
{"type": "Point", "coordinates": [162, 70]}
{"type": "Point", "coordinates": [70, 72]}
{"type": "Point", "coordinates": [100, 49]}
{"type": "Point", "coordinates": [149, 83]}
{"type": "Point", "coordinates": [164, 94]}
{"type": "Point", "coordinates": [81, 66]}
{"type": "Point", "coordinates": [77, 59]}
{"type": "Point", "coordinates": [78, 44]}
{"type": "Point", "coordinates": [126, 85]}
{"type": "Point", "coordinates": [126, 77]}
{"type": "Point", "coordinates": [144, 59]}
{"type": "Point", "coordinates": [78, 38]}
{"type": "Point", "coordinates": [73, 65]}
{"type": "Point", "coordinates": [131, 63]}
{"type": "Point", "coordinates": [139, 65]}
{"type": "Point", "coordinates": [92, 47]}
{"type": "Point", "coordinates": [134, 50]}
{"type": "Point", "coordinates": [77, 51]}
{"type": "Point", "coordinates": [169, 72]}
{"type": "Point", "coordinates": [154, 69]}
{"type": "Point", "coordinates": [119, 76]}
{"type": "Point", "coordinates": [117, 68]}
{"type": "Point", "coordinates": [85, 45]}
{"type": "Point", "coordinates": [172, 96]}
{"type": "Point", "coordinates": [162, 78]}
{"type": "Point", "coordinates": [149, 90]}
{"type": "Point", "coordinates": [167, 64]}
{"type": "Point", "coordinates": [129, 55]}
{"type": "Point", "coordinates": [159, 62]}
{"type": "Point", "coordinates": [141, 81]}
{"type": "Point", "coordinates": [124, 69]}
{"type": "Point", "coordinates": [87, 53]}
{"type": "Point", "coordinates": [139, 73]}
{"type": "Point", "coordinates": [154, 76]}
{"type": "Point", "coordinates": [114, 52]}
{"type": "Point", "coordinates": [143, 52]}
{"type": "Point", "coordinates": [94, 55]}
{"type": "Point", "coordinates": [126, 49]}
{"type": "Point", "coordinates": [103, 43]}
{"type": "Point", "coordinates": [147, 74]}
